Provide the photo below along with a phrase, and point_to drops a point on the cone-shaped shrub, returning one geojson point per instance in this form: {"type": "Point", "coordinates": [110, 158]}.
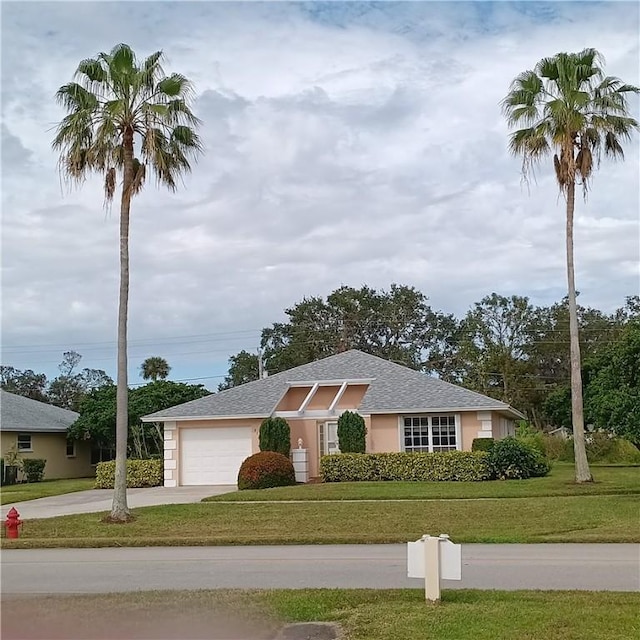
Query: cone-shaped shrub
{"type": "Point", "coordinates": [275, 435]}
{"type": "Point", "coordinates": [351, 433]}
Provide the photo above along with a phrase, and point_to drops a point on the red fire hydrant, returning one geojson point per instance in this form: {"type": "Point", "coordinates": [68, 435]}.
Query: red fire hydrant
{"type": "Point", "coordinates": [12, 523]}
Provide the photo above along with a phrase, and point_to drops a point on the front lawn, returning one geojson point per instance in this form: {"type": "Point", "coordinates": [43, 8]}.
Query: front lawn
{"type": "Point", "coordinates": [363, 614]}
{"type": "Point", "coordinates": [30, 491]}
{"type": "Point", "coordinates": [560, 482]}
{"type": "Point", "coordinates": [466, 614]}
{"type": "Point", "coordinates": [560, 519]}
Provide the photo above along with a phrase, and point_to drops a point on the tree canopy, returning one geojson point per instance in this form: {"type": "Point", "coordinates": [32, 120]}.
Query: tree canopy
{"type": "Point", "coordinates": [97, 419]}
{"type": "Point", "coordinates": [66, 390]}
{"type": "Point", "coordinates": [504, 346]}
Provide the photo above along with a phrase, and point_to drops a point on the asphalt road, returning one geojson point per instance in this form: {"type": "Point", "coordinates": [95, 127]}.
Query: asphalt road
{"type": "Point", "coordinates": [514, 566]}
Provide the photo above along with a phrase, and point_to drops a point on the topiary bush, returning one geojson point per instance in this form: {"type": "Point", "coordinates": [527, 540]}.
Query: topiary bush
{"type": "Point", "coordinates": [33, 469]}
{"type": "Point", "coordinates": [140, 473]}
{"type": "Point", "coordinates": [511, 459]}
{"type": "Point", "coordinates": [482, 444]}
{"type": "Point", "coordinates": [352, 433]}
{"type": "Point", "coordinates": [265, 470]}
{"type": "Point", "coordinates": [275, 435]}
{"type": "Point", "coordinates": [419, 467]}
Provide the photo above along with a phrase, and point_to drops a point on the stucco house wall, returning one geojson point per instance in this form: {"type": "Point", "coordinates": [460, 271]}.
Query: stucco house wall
{"type": "Point", "coordinates": [53, 448]}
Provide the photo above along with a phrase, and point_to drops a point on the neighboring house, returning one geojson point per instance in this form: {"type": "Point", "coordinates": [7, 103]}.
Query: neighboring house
{"type": "Point", "coordinates": [206, 440]}
{"type": "Point", "coordinates": [39, 430]}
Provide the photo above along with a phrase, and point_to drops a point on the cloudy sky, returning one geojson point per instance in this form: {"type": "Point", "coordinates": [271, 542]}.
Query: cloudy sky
{"type": "Point", "coordinates": [346, 143]}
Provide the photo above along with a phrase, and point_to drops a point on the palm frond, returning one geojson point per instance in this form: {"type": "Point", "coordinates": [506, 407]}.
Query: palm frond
{"type": "Point", "coordinates": [174, 86]}
{"type": "Point", "coordinates": [109, 184]}
{"type": "Point", "coordinates": [74, 97]}
{"type": "Point", "coordinates": [139, 174]}
{"type": "Point", "coordinates": [612, 146]}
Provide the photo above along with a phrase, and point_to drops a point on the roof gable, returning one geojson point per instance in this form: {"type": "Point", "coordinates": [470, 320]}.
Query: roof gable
{"type": "Point", "coordinates": [18, 413]}
{"type": "Point", "coordinates": [393, 388]}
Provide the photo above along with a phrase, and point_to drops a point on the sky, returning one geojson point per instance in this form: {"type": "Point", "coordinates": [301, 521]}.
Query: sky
{"type": "Point", "coordinates": [345, 144]}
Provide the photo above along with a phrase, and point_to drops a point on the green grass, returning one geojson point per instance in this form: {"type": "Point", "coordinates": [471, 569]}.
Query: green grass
{"type": "Point", "coordinates": [560, 482]}
{"type": "Point", "coordinates": [30, 491]}
{"type": "Point", "coordinates": [363, 614]}
{"type": "Point", "coordinates": [466, 615]}
{"type": "Point", "coordinates": [551, 519]}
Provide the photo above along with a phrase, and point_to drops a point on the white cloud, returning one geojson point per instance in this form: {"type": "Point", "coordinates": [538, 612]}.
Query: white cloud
{"type": "Point", "coordinates": [346, 144]}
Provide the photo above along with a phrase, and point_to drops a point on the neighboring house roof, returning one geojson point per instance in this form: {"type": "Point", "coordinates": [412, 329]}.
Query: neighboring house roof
{"type": "Point", "coordinates": [393, 389]}
{"type": "Point", "coordinates": [18, 413]}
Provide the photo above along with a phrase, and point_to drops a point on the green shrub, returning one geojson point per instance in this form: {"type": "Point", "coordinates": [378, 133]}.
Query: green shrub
{"type": "Point", "coordinates": [264, 470]}
{"type": "Point", "coordinates": [419, 467]}
{"type": "Point", "coordinates": [33, 468]}
{"type": "Point", "coordinates": [351, 433]}
{"type": "Point", "coordinates": [622, 452]}
{"type": "Point", "coordinates": [1, 471]}
{"type": "Point", "coordinates": [557, 448]}
{"type": "Point", "coordinates": [512, 459]}
{"type": "Point", "coordinates": [601, 448]}
{"type": "Point", "coordinates": [531, 436]}
{"type": "Point", "coordinates": [482, 444]}
{"type": "Point", "coordinates": [275, 435]}
{"type": "Point", "coordinates": [140, 473]}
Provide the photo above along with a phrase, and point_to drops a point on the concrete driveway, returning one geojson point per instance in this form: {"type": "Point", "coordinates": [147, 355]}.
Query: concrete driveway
{"type": "Point", "coordinates": [95, 500]}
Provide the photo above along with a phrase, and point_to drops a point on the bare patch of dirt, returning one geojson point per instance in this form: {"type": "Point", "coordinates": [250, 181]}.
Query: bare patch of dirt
{"type": "Point", "coordinates": [135, 616]}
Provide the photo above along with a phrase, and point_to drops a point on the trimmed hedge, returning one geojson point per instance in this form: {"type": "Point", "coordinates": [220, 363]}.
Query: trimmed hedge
{"type": "Point", "coordinates": [33, 468]}
{"type": "Point", "coordinates": [359, 467]}
{"type": "Point", "coordinates": [482, 444]}
{"type": "Point", "coordinates": [265, 470]}
{"type": "Point", "coordinates": [140, 473]}
{"type": "Point", "coordinates": [510, 458]}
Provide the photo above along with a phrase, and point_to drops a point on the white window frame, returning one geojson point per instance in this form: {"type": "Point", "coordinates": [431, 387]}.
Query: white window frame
{"type": "Point", "coordinates": [25, 449]}
{"type": "Point", "coordinates": [73, 444]}
{"type": "Point", "coordinates": [429, 417]}
{"type": "Point", "coordinates": [322, 437]}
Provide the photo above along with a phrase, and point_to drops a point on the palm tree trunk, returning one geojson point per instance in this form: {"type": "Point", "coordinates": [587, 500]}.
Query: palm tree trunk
{"type": "Point", "coordinates": [119, 509]}
{"type": "Point", "coordinates": [583, 474]}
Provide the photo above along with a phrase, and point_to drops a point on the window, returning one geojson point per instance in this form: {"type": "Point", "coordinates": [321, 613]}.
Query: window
{"type": "Point", "coordinates": [71, 449]}
{"type": "Point", "coordinates": [24, 442]}
{"type": "Point", "coordinates": [423, 434]}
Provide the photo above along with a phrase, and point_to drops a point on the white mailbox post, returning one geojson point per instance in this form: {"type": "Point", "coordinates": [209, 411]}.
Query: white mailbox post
{"type": "Point", "coordinates": [434, 559]}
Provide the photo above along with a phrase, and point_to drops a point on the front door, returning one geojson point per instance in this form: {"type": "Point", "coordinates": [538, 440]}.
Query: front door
{"type": "Point", "coordinates": [329, 438]}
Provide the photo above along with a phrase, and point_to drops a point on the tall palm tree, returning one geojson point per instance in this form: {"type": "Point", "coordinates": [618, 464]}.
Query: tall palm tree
{"type": "Point", "coordinates": [154, 368]}
{"type": "Point", "coordinates": [115, 104]}
{"type": "Point", "coordinates": [567, 107]}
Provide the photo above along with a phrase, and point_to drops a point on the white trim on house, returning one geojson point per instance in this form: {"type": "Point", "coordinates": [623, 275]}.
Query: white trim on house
{"type": "Point", "coordinates": [458, 425]}
{"type": "Point", "coordinates": [329, 383]}
{"type": "Point", "coordinates": [194, 418]}
{"type": "Point", "coordinates": [316, 413]}
{"type": "Point", "coordinates": [308, 398]}
{"type": "Point", "coordinates": [505, 408]}
{"type": "Point", "coordinates": [338, 396]}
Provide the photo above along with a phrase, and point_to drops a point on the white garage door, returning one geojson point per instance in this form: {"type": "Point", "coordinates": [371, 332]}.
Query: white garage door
{"type": "Point", "coordinates": [213, 456]}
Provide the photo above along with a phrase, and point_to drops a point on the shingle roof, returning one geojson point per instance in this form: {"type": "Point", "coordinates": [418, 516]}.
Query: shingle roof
{"type": "Point", "coordinates": [18, 413]}
{"type": "Point", "coordinates": [394, 388]}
